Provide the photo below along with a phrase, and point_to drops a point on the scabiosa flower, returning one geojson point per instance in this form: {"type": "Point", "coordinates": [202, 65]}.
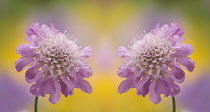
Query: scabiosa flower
{"type": "Point", "coordinates": [154, 63]}
{"type": "Point", "coordinates": [54, 61]}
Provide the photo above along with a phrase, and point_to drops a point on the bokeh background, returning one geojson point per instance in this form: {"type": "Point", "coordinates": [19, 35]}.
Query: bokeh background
{"type": "Point", "coordinates": [105, 25]}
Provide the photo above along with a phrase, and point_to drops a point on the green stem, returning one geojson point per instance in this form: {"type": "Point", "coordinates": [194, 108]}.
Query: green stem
{"type": "Point", "coordinates": [174, 104]}
{"type": "Point", "coordinates": [35, 104]}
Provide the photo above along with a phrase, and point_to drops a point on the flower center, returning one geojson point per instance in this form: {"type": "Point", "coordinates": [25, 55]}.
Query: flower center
{"type": "Point", "coordinates": [59, 53]}
{"type": "Point", "coordinates": [150, 53]}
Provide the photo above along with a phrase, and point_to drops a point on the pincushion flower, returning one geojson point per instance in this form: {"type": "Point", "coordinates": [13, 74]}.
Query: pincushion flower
{"type": "Point", "coordinates": [153, 64]}
{"type": "Point", "coordinates": [55, 63]}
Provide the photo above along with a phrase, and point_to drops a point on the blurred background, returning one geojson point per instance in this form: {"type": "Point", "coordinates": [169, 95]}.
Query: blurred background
{"type": "Point", "coordinates": [105, 25]}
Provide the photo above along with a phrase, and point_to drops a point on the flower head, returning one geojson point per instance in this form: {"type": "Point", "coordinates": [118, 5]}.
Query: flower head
{"type": "Point", "coordinates": [54, 61]}
{"type": "Point", "coordinates": [155, 61]}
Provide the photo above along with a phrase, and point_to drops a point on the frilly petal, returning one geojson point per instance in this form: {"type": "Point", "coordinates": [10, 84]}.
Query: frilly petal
{"type": "Point", "coordinates": [22, 62]}
{"type": "Point", "coordinates": [68, 85]}
{"type": "Point", "coordinates": [145, 89]}
{"type": "Point", "coordinates": [48, 87]}
{"type": "Point", "coordinates": [165, 29]}
{"type": "Point", "coordinates": [155, 98]}
{"type": "Point", "coordinates": [26, 50]}
{"type": "Point", "coordinates": [32, 74]}
{"type": "Point", "coordinates": [53, 28]}
{"type": "Point", "coordinates": [124, 71]}
{"type": "Point", "coordinates": [176, 30]}
{"type": "Point", "coordinates": [141, 88]}
{"type": "Point", "coordinates": [183, 50]}
{"type": "Point", "coordinates": [84, 85]}
{"type": "Point", "coordinates": [87, 52]}
{"type": "Point", "coordinates": [33, 30]}
{"type": "Point", "coordinates": [177, 74]}
{"type": "Point", "coordinates": [157, 28]}
{"type": "Point", "coordinates": [174, 33]}
{"type": "Point", "coordinates": [54, 98]}
{"type": "Point", "coordinates": [64, 88]}
{"type": "Point", "coordinates": [122, 51]}
{"type": "Point", "coordinates": [174, 89]}
{"type": "Point", "coordinates": [187, 62]}
{"type": "Point", "coordinates": [125, 85]}
{"type": "Point", "coordinates": [42, 87]}
{"type": "Point", "coordinates": [85, 71]}
{"type": "Point", "coordinates": [167, 87]}
{"type": "Point", "coordinates": [161, 87]}
{"type": "Point", "coordinates": [33, 40]}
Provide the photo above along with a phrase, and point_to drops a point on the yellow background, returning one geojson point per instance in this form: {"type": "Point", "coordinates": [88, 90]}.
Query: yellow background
{"type": "Point", "coordinates": [104, 25]}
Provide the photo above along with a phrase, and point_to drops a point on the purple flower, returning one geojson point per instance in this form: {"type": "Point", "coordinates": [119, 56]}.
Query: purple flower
{"type": "Point", "coordinates": [54, 61]}
{"type": "Point", "coordinates": [154, 63]}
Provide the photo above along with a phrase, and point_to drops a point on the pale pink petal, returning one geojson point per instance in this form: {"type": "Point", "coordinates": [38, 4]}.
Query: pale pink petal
{"type": "Point", "coordinates": [84, 85]}
{"type": "Point", "coordinates": [42, 87]}
{"type": "Point", "coordinates": [175, 33]}
{"type": "Point", "coordinates": [36, 30]}
{"type": "Point", "coordinates": [33, 30]}
{"type": "Point", "coordinates": [122, 51]}
{"type": "Point", "coordinates": [124, 71]}
{"type": "Point", "coordinates": [161, 87]}
{"type": "Point", "coordinates": [177, 74]}
{"type": "Point", "coordinates": [125, 85]}
{"type": "Point", "coordinates": [33, 40]}
{"type": "Point", "coordinates": [73, 79]}
{"type": "Point", "coordinates": [141, 87]}
{"type": "Point", "coordinates": [155, 98]}
{"type": "Point", "coordinates": [145, 89]}
{"type": "Point", "coordinates": [174, 88]}
{"type": "Point", "coordinates": [136, 79]}
{"type": "Point", "coordinates": [64, 88]}
{"type": "Point", "coordinates": [30, 40]}
{"type": "Point", "coordinates": [87, 52]}
{"type": "Point", "coordinates": [44, 31]}
{"type": "Point", "coordinates": [23, 62]}
{"type": "Point", "coordinates": [53, 28]}
{"type": "Point", "coordinates": [85, 71]}
{"type": "Point", "coordinates": [176, 30]}
{"type": "Point", "coordinates": [26, 50]}
{"type": "Point", "coordinates": [183, 50]}
{"type": "Point", "coordinates": [176, 40]}
{"type": "Point", "coordinates": [54, 98]}
{"type": "Point", "coordinates": [157, 28]}
{"type": "Point", "coordinates": [36, 89]}
{"type": "Point", "coordinates": [31, 73]}
{"type": "Point", "coordinates": [68, 84]}
{"type": "Point", "coordinates": [48, 87]}
{"type": "Point", "coordinates": [165, 30]}
{"type": "Point", "coordinates": [186, 62]}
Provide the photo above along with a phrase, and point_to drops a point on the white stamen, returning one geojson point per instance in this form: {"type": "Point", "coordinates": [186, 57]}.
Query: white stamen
{"type": "Point", "coordinates": [59, 52]}
{"type": "Point", "coordinates": [150, 52]}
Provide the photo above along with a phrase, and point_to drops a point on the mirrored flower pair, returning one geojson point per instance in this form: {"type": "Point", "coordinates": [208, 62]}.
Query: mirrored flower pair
{"type": "Point", "coordinates": [56, 64]}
